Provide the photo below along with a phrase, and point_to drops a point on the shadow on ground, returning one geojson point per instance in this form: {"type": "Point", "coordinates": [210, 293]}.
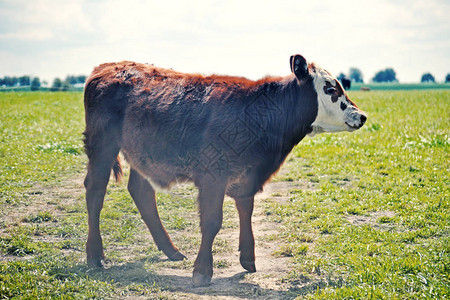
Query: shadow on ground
{"type": "Point", "coordinates": [140, 273]}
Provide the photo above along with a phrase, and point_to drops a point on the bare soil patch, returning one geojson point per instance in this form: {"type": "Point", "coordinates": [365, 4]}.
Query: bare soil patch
{"type": "Point", "coordinates": [372, 220]}
{"type": "Point", "coordinates": [41, 198]}
{"type": "Point", "coordinates": [230, 280]}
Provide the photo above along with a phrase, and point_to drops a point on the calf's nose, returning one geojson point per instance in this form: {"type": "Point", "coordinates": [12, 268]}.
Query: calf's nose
{"type": "Point", "coordinates": [363, 120]}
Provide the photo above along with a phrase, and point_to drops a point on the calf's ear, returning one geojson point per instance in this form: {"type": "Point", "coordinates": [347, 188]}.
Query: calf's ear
{"type": "Point", "coordinates": [299, 66]}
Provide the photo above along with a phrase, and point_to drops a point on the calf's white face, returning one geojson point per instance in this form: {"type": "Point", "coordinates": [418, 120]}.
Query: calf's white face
{"type": "Point", "coordinates": [336, 112]}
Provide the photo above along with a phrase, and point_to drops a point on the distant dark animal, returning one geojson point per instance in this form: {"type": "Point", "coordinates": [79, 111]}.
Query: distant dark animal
{"type": "Point", "coordinates": [228, 135]}
{"type": "Point", "coordinates": [365, 88]}
{"type": "Point", "coordinates": [346, 83]}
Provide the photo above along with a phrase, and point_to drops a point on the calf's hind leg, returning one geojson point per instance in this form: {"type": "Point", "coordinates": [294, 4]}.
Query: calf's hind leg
{"type": "Point", "coordinates": [96, 181]}
{"type": "Point", "coordinates": [144, 197]}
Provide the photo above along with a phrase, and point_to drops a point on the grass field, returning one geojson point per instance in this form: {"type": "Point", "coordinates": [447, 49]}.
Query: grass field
{"type": "Point", "coordinates": [366, 214]}
{"type": "Point", "coordinates": [395, 86]}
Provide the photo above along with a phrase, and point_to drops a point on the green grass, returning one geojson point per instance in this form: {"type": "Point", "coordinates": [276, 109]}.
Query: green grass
{"type": "Point", "coordinates": [400, 86]}
{"type": "Point", "coordinates": [41, 89]}
{"type": "Point", "coordinates": [397, 163]}
{"type": "Point", "coordinates": [41, 150]}
{"type": "Point", "coordinates": [40, 141]}
{"type": "Point", "coordinates": [373, 224]}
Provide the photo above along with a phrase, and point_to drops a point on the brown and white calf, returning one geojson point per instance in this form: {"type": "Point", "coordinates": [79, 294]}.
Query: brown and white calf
{"type": "Point", "coordinates": [228, 135]}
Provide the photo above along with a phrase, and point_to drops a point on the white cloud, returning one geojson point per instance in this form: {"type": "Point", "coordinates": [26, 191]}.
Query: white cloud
{"type": "Point", "coordinates": [29, 35]}
{"type": "Point", "coordinates": [43, 19]}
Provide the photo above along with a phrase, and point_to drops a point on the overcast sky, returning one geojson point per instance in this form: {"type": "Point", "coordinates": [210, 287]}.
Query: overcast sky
{"type": "Point", "coordinates": [53, 38]}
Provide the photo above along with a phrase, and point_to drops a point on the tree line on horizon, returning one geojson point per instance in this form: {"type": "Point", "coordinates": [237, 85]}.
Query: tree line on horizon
{"type": "Point", "coordinates": [35, 84]}
{"type": "Point", "coordinates": [386, 75]}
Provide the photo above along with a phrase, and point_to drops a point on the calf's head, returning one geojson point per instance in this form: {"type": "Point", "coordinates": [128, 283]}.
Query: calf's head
{"type": "Point", "coordinates": [336, 112]}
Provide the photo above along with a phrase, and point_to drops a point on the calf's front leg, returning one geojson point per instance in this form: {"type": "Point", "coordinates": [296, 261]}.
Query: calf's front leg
{"type": "Point", "coordinates": [210, 200]}
{"type": "Point", "coordinates": [246, 239]}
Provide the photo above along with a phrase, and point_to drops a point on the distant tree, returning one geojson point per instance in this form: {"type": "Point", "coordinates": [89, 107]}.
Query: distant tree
{"type": "Point", "coordinates": [81, 79]}
{"type": "Point", "coordinates": [65, 86]}
{"type": "Point", "coordinates": [2, 82]}
{"type": "Point", "coordinates": [71, 79]}
{"type": "Point", "coordinates": [341, 76]}
{"type": "Point", "coordinates": [387, 75]}
{"type": "Point", "coordinates": [24, 80]}
{"type": "Point", "coordinates": [35, 84]}
{"type": "Point", "coordinates": [356, 75]}
{"type": "Point", "coordinates": [57, 84]}
{"type": "Point", "coordinates": [10, 81]}
{"type": "Point", "coordinates": [427, 77]}
{"type": "Point", "coordinates": [447, 78]}
{"type": "Point", "coordinates": [5, 81]}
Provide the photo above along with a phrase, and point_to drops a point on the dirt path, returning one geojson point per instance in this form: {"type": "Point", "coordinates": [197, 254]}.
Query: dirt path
{"type": "Point", "coordinates": [41, 199]}
{"type": "Point", "coordinates": [230, 281]}
{"type": "Point", "coordinates": [233, 282]}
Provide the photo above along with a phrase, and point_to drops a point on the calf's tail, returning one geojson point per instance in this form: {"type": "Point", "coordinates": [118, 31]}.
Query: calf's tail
{"type": "Point", "coordinates": [117, 169]}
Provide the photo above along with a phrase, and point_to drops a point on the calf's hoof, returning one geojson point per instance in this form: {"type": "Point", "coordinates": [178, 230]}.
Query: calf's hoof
{"type": "Point", "coordinates": [248, 265]}
{"type": "Point", "coordinates": [177, 256]}
{"type": "Point", "coordinates": [96, 262]}
{"type": "Point", "coordinates": [199, 279]}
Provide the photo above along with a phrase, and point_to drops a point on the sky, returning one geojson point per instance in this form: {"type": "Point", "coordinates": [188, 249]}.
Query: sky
{"type": "Point", "coordinates": [53, 38]}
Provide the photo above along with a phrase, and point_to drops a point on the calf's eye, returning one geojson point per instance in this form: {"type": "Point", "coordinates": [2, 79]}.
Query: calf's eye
{"type": "Point", "coordinates": [330, 90]}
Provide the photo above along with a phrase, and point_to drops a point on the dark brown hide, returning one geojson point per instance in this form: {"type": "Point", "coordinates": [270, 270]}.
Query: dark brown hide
{"type": "Point", "coordinates": [173, 126]}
